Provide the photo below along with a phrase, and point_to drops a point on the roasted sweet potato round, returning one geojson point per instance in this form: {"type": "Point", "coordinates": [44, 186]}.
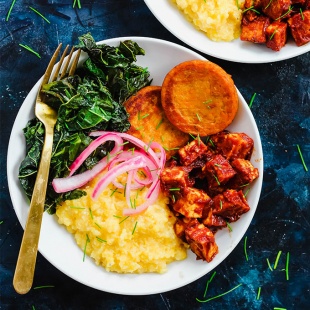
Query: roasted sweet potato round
{"type": "Point", "coordinates": [149, 122]}
{"type": "Point", "coordinates": [199, 97]}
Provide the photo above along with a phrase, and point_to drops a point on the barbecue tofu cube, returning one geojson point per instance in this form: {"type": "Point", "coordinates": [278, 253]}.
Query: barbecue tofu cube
{"type": "Point", "coordinates": [246, 173]}
{"type": "Point", "coordinates": [192, 203]}
{"type": "Point", "coordinates": [212, 220]}
{"type": "Point", "coordinates": [174, 180]}
{"type": "Point", "coordinates": [254, 30]}
{"type": "Point", "coordinates": [299, 25]}
{"type": "Point", "coordinates": [218, 171]}
{"type": "Point", "coordinates": [202, 242]}
{"type": "Point", "coordinates": [231, 204]}
{"type": "Point", "coordinates": [181, 224]}
{"type": "Point", "coordinates": [276, 9]}
{"type": "Point", "coordinates": [276, 34]}
{"type": "Point", "coordinates": [192, 151]}
{"type": "Point", "coordinates": [233, 145]}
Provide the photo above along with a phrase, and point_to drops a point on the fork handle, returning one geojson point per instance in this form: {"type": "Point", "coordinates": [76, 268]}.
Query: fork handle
{"type": "Point", "coordinates": [24, 272]}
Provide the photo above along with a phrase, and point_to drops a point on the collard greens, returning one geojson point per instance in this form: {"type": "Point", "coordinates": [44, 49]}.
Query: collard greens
{"type": "Point", "coordinates": [90, 100]}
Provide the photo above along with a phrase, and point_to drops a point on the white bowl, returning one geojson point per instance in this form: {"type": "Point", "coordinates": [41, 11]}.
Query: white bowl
{"type": "Point", "coordinates": [238, 51]}
{"type": "Point", "coordinates": [59, 247]}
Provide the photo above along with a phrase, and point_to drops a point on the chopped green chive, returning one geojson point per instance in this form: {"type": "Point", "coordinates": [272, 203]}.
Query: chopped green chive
{"type": "Point", "coordinates": [271, 37]}
{"type": "Point", "coordinates": [43, 286]}
{"type": "Point", "coordinates": [91, 213]}
{"type": "Point", "coordinates": [251, 9]}
{"type": "Point", "coordinates": [117, 216]}
{"type": "Point", "coordinates": [237, 4]}
{"type": "Point", "coordinates": [174, 189]}
{"type": "Point", "coordinates": [126, 142]}
{"type": "Point", "coordinates": [80, 208]}
{"type": "Point", "coordinates": [245, 248]}
{"type": "Point", "coordinates": [28, 48]}
{"type": "Point", "coordinates": [114, 191]}
{"type": "Point", "coordinates": [100, 240]}
{"type": "Point", "coordinates": [199, 119]}
{"type": "Point", "coordinates": [247, 191]}
{"type": "Point", "coordinates": [216, 179]}
{"type": "Point", "coordinates": [268, 4]}
{"type": "Point", "coordinates": [220, 295]}
{"type": "Point", "coordinates": [98, 225]}
{"type": "Point", "coordinates": [258, 293]}
{"type": "Point", "coordinates": [252, 99]}
{"type": "Point", "coordinates": [277, 260]}
{"type": "Point", "coordinates": [1, 222]}
{"type": "Point", "coordinates": [144, 116]}
{"type": "Point", "coordinates": [229, 227]}
{"type": "Point", "coordinates": [302, 158]}
{"type": "Point", "coordinates": [277, 308]}
{"type": "Point", "coordinates": [208, 101]}
{"type": "Point", "coordinates": [10, 10]}
{"type": "Point", "coordinates": [221, 204]}
{"type": "Point", "coordinates": [160, 122]}
{"type": "Point", "coordinates": [286, 265]}
{"type": "Point", "coordinates": [268, 262]}
{"type": "Point", "coordinates": [33, 308]}
{"type": "Point", "coordinates": [208, 282]}
{"type": "Point", "coordinates": [173, 198]}
{"type": "Point", "coordinates": [86, 242]}
{"type": "Point", "coordinates": [134, 229]}
{"type": "Point", "coordinates": [78, 2]}
{"type": "Point", "coordinates": [124, 219]}
{"type": "Point", "coordinates": [37, 12]}
{"type": "Point", "coordinates": [302, 15]}
{"type": "Point", "coordinates": [288, 11]}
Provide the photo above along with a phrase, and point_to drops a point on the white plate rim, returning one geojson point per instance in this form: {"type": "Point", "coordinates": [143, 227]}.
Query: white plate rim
{"type": "Point", "coordinates": [236, 51]}
{"type": "Point", "coordinates": [117, 283]}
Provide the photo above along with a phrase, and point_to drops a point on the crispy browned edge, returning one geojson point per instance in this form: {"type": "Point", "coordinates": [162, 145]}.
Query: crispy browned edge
{"type": "Point", "coordinates": [199, 97]}
{"type": "Point", "coordinates": [149, 121]}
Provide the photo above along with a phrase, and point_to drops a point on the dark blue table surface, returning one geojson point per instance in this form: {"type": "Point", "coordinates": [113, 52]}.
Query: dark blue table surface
{"type": "Point", "coordinates": [281, 110]}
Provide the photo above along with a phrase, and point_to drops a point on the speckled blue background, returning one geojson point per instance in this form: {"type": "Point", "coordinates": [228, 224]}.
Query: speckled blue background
{"type": "Point", "coordinates": [282, 113]}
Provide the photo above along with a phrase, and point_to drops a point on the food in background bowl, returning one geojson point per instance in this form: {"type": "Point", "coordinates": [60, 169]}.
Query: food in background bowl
{"type": "Point", "coordinates": [219, 19]}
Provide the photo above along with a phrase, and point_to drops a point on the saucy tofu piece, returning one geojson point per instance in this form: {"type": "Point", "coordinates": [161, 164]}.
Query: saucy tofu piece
{"type": "Point", "coordinates": [181, 224]}
{"type": "Point", "coordinates": [202, 242]}
{"type": "Point", "coordinates": [276, 9]}
{"type": "Point", "coordinates": [276, 34]}
{"type": "Point", "coordinates": [246, 173]}
{"type": "Point", "coordinates": [300, 27]}
{"type": "Point", "coordinates": [212, 220]}
{"type": "Point", "coordinates": [254, 30]}
{"type": "Point", "coordinates": [231, 205]}
{"type": "Point", "coordinates": [192, 203]}
{"type": "Point", "coordinates": [174, 179]}
{"type": "Point", "coordinates": [233, 145]}
{"type": "Point", "coordinates": [192, 151]}
{"type": "Point", "coordinates": [218, 171]}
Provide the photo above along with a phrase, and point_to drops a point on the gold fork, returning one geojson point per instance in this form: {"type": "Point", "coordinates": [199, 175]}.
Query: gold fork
{"type": "Point", "coordinates": [26, 261]}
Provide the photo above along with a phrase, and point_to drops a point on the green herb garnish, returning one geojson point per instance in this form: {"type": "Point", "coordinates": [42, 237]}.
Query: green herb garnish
{"type": "Point", "coordinates": [28, 48]}
{"type": "Point", "coordinates": [229, 226]}
{"type": "Point", "coordinates": [37, 12]}
{"type": "Point", "coordinates": [245, 248]}
{"type": "Point", "coordinates": [198, 117]}
{"type": "Point", "coordinates": [134, 229]}
{"type": "Point", "coordinates": [43, 286]}
{"type": "Point", "coordinates": [268, 4]}
{"type": "Point", "coordinates": [302, 14]}
{"type": "Point", "coordinates": [216, 179]}
{"type": "Point", "coordinates": [174, 189]}
{"type": "Point", "coordinates": [160, 122]}
{"type": "Point", "coordinates": [91, 213]}
{"type": "Point", "coordinates": [252, 100]}
{"type": "Point", "coordinates": [98, 225]}
{"type": "Point", "coordinates": [124, 219]}
{"type": "Point", "coordinates": [287, 265]}
{"type": "Point", "coordinates": [288, 11]}
{"type": "Point", "coordinates": [10, 10]}
{"type": "Point", "coordinates": [302, 158]}
{"type": "Point", "coordinates": [277, 260]}
{"type": "Point", "coordinates": [79, 208]}
{"type": "Point", "coordinates": [272, 35]}
{"type": "Point", "coordinates": [78, 2]}
{"type": "Point", "coordinates": [208, 282]}
{"type": "Point", "coordinates": [86, 242]}
{"type": "Point", "coordinates": [269, 265]}
{"type": "Point", "coordinates": [220, 295]}
{"type": "Point", "coordinates": [258, 293]}
{"type": "Point", "coordinates": [100, 240]}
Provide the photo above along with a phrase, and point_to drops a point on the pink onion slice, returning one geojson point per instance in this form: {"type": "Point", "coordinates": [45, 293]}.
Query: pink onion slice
{"type": "Point", "coordinates": [93, 145]}
{"type": "Point", "coordinates": [134, 163]}
{"type": "Point", "coordinates": [62, 185]}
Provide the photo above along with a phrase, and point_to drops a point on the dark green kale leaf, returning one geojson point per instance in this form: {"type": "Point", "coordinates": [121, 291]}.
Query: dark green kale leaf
{"type": "Point", "coordinates": [90, 100]}
{"type": "Point", "coordinates": [115, 67]}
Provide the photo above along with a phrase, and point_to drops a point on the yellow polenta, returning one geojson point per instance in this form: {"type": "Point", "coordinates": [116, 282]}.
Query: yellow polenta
{"type": "Point", "coordinates": [219, 19]}
{"type": "Point", "coordinates": [137, 244]}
